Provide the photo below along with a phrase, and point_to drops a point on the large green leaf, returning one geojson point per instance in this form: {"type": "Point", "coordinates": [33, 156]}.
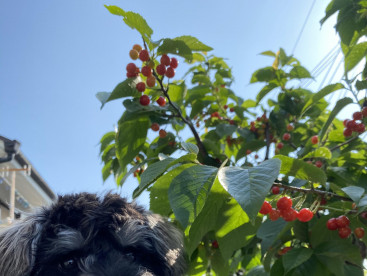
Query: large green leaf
{"type": "Point", "coordinates": [106, 140]}
{"type": "Point", "coordinates": [321, 95]}
{"type": "Point", "coordinates": [296, 257]}
{"type": "Point", "coordinates": [263, 75]}
{"type": "Point", "coordinates": [299, 72]}
{"type": "Point", "coordinates": [265, 90]}
{"type": "Point", "coordinates": [269, 231]}
{"type": "Point", "coordinates": [338, 107]}
{"type": "Point", "coordinates": [339, 248]}
{"type": "Point", "coordinates": [207, 219]}
{"type": "Point", "coordinates": [233, 228]}
{"type": "Point", "coordinates": [249, 186]}
{"type": "Point", "coordinates": [159, 202]}
{"type": "Point", "coordinates": [354, 192]}
{"type": "Point", "coordinates": [193, 43]}
{"type": "Point", "coordinates": [134, 21]}
{"type": "Point", "coordinates": [354, 56]}
{"type": "Point", "coordinates": [189, 190]}
{"type": "Point", "coordinates": [130, 139]}
{"type": "Point", "coordinates": [301, 169]}
{"type": "Point", "coordinates": [176, 47]}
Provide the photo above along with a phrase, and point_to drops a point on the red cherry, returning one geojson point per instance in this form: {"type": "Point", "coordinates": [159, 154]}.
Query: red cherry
{"type": "Point", "coordinates": [351, 124]}
{"type": "Point", "coordinates": [290, 127]}
{"type": "Point", "coordinates": [144, 55]}
{"type": "Point", "coordinates": [146, 71]}
{"type": "Point", "coordinates": [137, 47]}
{"type": "Point", "coordinates": [161, 101]}
{"type": "Point", "coordinates": [331, 224]}
{"type": "Point", "coordinates": [280, 145]}
{"type": "Point", "coordinates": [256, 156]}
{"type": "Point", "coordinates": [144, 100]}
{"type": "Point", "coordinates": [323, 201]}
{"type": "Point", "coordinates": [231, 109]}
{"type": "Point", "coordinates": [162, 133]}
{"type": "Point", "coordinates": [342, 221]}
{"type": "Point", "coordinates": [151, 81]}
{"type": "Point", "coordinates": [360, 128]}
{"type": "Point", "coordinates": [170, 72]}
{"type": "Point", "coordinates": [265, 208]}
{"type": "Point", "coordinates": [359, 232]}
{"type": "Point", "coordinates": [345, 122]}
{"type": "Point", "coordinates": [305, 215]}
{"type": "Point", "coordinates": [248, 152]}
{"type": "Point", "coordinates": [289, 214]}
{"type": "Point", "coordinates": [215, 114]}
{"type": "Point", "coordinates": [274, 214]}
{"type": "Point", "coordinates": [284, 203]}
{"type": "Point", "coordinates": [347, 132]}
{"type": "Point", "coordinates": [161, 69]}
{"type": "Point", "coordinates": [357, 115]}
{"type": "Point", "coordinates": [318, 164]}
{"type": "Point", "coordinates": [140, 86]}
{"type": "Point", "coordinates": [344, 232]}
{"type": "Point", "coordinates": [225, 106]}
{"type": "Point", "coordinates": [286, 136]}
{"type": "Point", "coordinates": [131, 68]}
{"type": "Point", "coordinates": [284, 250]}
{"type": "Point", "coordinates": [134, 54]}
{"type": "Point", "coordinates": [364, 111]}
{"type": "Point", "coordinates": [275, 190]}
{"type": "Point", "coordinates": [174, 63]}
{"type": "Point", "coordinates": [165, 60]}
{"type": "Point", "coordinates": [314, 139]}
{"type": "Point", "coordinates": [215, 244]}
{"type": "Point", "coordinates": [231, 122]}
{"type": "Point", "coordinates": [155, 127]}
{"type": "Point", "coordinates": [131, 75]}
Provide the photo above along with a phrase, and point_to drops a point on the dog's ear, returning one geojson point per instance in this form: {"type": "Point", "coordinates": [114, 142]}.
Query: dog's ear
{"type": "Point", "coordinates": [18, 245]}
{"type": "Point", "coordinates": [168, 243]}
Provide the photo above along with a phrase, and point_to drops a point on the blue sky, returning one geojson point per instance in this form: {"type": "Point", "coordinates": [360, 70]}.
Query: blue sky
{"type": "Point", "coordinates": [55, 56]}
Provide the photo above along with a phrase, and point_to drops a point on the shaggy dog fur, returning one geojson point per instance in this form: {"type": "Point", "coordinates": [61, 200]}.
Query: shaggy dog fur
{"type": "Point", "coordinates": [87, 235]}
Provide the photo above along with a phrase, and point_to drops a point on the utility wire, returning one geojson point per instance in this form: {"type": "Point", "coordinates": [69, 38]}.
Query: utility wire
{"type": "Point", "coordinates": [303, 27]}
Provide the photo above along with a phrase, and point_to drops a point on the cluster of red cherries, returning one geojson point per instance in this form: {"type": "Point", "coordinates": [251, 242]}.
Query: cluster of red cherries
{"type": "Point", "coordinates": [166, 68]}
{"type": "Point", "coordinates": [355, 125]}
{"type": "Point", "coordinates": [285, 210]}
{"type": "Point", "coordinates": [341, 224]}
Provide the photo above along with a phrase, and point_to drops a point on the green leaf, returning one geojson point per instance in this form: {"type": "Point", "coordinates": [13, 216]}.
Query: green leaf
{"type": "Point", "coordinates": [339, 248]}
{"type": "Point", "coordinates": [159, 202]}
{"type": "Point", "coordinates": [193, 43]}
{"type": "Point", "coordinates": [134, 21]}
{"type": "Point", "coordinates": [360, 85]}
{"type": "Point", "coordinates": [354, 192]}
{"type": "Point", "coordinates": [189, 190]}
{"type": "Point", "coordinates": [354, 56]}
{"type": "Point", "coordinates": [191, 148]}
{"type": "Point", "coordinates": [257, 271]}
{"type": "Point", "coordinates": [299, 72]}
{"type": "Point", "coordinates": [269, 231]}
{"type": "Point", "coordinates": [103, 97]}
{"type": "Point", "coordinates": [296, 257]}
{"type": "Point", "coordinates": [301, 169]}
{"type": "Point", "coordinates": [154, 171]}
{"type": "Point", "coordinates": [106, 140]}
{"type": "Point", "coordinates": [251, 185]}
{"type": "Point", "coordinates": [263, 75]}
{"type": "Point", "coordinates": [265, 90]}
{"type": "Point", "coordinates": [321, 95]}
{"type": "Point", "coordinates": [207, 219]}
{"type": "Point", "coordinates": [176, 47]}
{"type": "Point", "coordinates": [338, 107]}
{"type": "Point", "coordinates": [130, 139]}
{"type": "Point", "coordinates": [106, 170]}
{"type": "Point", "coordinates": [322, 152]}
{"type": "Point", "coordinates": [249, 103]}
{"type": "Point", "coordinates": [268, 53]}
{"type": "Point", "coordinates": [233, 228]}
{"type": "Point", "coordinates": [225, 129]}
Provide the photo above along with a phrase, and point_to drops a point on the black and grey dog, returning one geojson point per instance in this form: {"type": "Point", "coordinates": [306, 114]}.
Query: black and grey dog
{"type": "Point", "coordinates": [87, 235]}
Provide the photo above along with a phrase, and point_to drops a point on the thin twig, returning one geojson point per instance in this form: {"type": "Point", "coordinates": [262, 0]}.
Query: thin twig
{"type": "Point", "coordinates": [344, 143]}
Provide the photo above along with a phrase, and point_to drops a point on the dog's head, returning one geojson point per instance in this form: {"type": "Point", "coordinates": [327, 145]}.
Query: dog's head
{"type": "Point", "coordinates": [87, 235]}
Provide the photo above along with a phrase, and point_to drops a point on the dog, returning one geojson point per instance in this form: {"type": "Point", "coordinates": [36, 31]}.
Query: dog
{"type": "Point", "coordinates": [89, 235]}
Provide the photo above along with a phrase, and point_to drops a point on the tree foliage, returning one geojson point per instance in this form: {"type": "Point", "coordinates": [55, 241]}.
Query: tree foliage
{"type": "Point", "coordinates": [213, 184]}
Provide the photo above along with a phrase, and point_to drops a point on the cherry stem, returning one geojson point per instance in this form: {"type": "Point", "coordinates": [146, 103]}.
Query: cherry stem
{"type": "Point", "coordinates": [344, 143]}
{"type": "Point", "coordinates": [310, 191]}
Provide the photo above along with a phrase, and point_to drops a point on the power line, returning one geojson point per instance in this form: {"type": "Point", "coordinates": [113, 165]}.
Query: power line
{"type": "Point", "coordinates": [303, 27]}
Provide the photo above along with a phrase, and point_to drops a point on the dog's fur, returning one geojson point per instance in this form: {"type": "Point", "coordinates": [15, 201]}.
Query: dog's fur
{"type": "Point", "coordinates": [87, 235]}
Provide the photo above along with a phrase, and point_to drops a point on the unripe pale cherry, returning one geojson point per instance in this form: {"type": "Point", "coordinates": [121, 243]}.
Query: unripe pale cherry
{"type": "Point", "coordinates": [134, 54]}
{"type": "Point", "coordinates": [151, 81]}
